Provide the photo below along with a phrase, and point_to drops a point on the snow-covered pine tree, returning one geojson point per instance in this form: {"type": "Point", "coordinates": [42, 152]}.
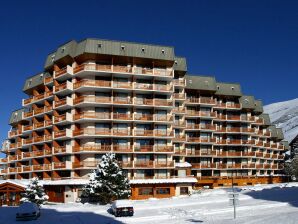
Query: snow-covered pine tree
{"type": "Point", "coordinates": [35, 192]}
{"type": "Point", "coordinates": [107, 182]}
{"type": "Point", "coordinates": [291, 168]}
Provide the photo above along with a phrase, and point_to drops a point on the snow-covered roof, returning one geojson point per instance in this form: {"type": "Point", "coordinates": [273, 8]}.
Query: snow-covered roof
{"type": "Point", "coordinates": [164, 181]}
{"type": "Point", "coordinates": [183, 165]}
{"type": "Point", "coordinates": [21, 183]}
{"type": "Point", "coordinates": [65, 182]}
{"type": "Point", "coordinates": [24, 183]}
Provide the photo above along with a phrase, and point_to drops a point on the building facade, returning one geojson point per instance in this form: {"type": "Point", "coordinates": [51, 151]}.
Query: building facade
{"type": "Point", "coordinates": [169, 130]}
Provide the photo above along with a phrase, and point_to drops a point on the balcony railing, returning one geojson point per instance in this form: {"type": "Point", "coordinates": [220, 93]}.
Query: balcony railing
{"type": "Point", "coordinates": [92, 83]}
{"type": "Point", "coordinates": [92, 115]}
{"type": "Point", "coordinates": [200, 100]}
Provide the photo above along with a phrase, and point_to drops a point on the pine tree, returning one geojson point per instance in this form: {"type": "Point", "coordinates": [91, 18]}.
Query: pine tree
{"type": "Point", "coordinates": [35, 192]}
{"type": "Point", "coordinates": [291, 168]}
{"type": "Point", "coordinates": [108, 182]}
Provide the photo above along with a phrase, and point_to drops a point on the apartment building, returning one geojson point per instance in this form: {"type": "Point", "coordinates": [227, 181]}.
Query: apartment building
{"type": "Point", "coordinates": [169, 130]}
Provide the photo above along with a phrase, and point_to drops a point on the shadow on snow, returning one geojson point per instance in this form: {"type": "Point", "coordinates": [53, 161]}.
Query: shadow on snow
{"type": "Point", "coordinates": [52, 216]}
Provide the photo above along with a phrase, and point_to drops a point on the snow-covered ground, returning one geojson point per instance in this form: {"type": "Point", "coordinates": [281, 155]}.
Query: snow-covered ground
{"type": "Point", "coordinates": [276, 203]}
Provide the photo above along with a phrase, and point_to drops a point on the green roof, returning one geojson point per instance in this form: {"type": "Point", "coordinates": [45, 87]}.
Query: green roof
{"type": "Point", "coordinates": [258, 106]}
{"type": "Point", "coordinates": [200, 82]}
{"type": "Point", "coordinates": [228, 89]}
{"type": "Point", "coordinates": [180, 64]}
{"type": "Point", "coordinates": [110, 47]}
{"type": "Point", "coordinates": [247, 102]}
{"type": "Point", "coordinates": [16, 116]}
{"type": "Point", "coordinates": [35, 80]}
{"type": "Point", "coordinates": [266, 119]}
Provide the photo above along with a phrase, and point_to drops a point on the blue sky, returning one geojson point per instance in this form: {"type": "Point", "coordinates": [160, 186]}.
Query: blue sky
{"type": "Point", "coordinates": [250, 42]}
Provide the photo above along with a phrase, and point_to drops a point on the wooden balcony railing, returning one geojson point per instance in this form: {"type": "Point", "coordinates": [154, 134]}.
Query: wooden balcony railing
{"type": "Point", "coordinates": [92, 83]}
{"type": "Point", "coordinates": [92, 115]}
{"type": "Point", "coordinates": [92, 99]}
{"type": "Point", "coordinates": [92, 148]}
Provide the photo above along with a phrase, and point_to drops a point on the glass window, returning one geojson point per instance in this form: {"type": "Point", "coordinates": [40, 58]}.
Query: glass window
{"type": "Point", "coordinates": [162, 190]}
{"type": "Point", "coordinates": [146, 191]}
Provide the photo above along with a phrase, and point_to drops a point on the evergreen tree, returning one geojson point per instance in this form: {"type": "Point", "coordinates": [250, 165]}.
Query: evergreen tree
{"type": "Point", "coordinates": [291, 168]}
{"type": "Point", "coordinates": [35, 192]}
{"type": "Point", "coordinates": [108, 182]}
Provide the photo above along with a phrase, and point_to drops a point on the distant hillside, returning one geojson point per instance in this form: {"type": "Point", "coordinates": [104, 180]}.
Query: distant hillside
{"type": "Point", "coordinates": [285, 115]}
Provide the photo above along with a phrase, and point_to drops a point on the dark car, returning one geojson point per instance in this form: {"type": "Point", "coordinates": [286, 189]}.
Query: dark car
{"type": "Point", "coordinates": [28, 211]}
{"type": "Point", "coordinates": [122, 208]}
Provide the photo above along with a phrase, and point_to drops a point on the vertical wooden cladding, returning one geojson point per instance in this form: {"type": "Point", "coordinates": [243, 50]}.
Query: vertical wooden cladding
{"type": "Point", "coordinates": [10, 194]}
{"type": "Point", "coordinates": [155, 190]}
{"type": "Point", "coordinates": [55, 193]}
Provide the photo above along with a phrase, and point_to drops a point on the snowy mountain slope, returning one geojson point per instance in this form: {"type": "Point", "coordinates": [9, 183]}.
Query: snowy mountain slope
{"type": "Point", "coordinates": [284, 115]}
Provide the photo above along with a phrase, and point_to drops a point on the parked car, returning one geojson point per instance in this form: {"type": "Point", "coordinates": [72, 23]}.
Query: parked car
{"type": "Point", "coordinates": [28, 211]}
{"type": "Point", "coordinates": [122, 208]}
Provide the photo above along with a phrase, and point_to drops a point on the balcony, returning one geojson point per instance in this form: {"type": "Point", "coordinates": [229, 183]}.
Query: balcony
{"type": "Point", "coordinates": [63, 103]}
{"type": "Point", "coordinates": [163, 148]}
{"type": "Point", "coordinates": [200, 113]}
{"type": "Point", "coordinates": [65, 87]}
{"type": "Point", "coordinates": [206, 127]}
{"type": "Point", "coordinates": [121, 132]}
{"type": "Point", "coordinates": [92, 132]}
{"type": "Point", "coordinates": [122, 69]}
{"type": "Point", "coordinates": [63, 118]}
{"type": "Point", "coordinates": [122, 100]}
{"type": "Point", "coordinates": [179, 110]}
{"type": "Point", "coordinates": [67, 133]}
{"type": "Point", "coordinates": [92, 67]}
{"type": "Point", "coordinates": [143, 86]}
{"type": "Point", "coordinates": [179, 82]}
{"type": "Point", "coordinates": [42, 167]}
{"type": "Point", "coordinates": [93, 116]}
{"type": "Point", "coordinates": [180, 152]}
{"type": "Point", "coordinates": [122, 85]}
{"type": "Point", "coordinates": [85, 164]}
{"type": "Point", "coordinates": [122, 148]}
{"type": "Point", "coordinates": [125, 164]}
{"type": "Point", "coordinates": [228, 105]}
{"type": "Point", "coordinates": [164, 164]}
{"type": "Point", "coordinates": [122, 116]}
{"type": "Point", "coordinates": [27, 168]}
{"type": "Point", "coordinates": [143, 132]}
{"type": "Point", "coordinates": [91, 84]}
{"type": "Point", "coordinates": [63, 73]}
{"type": "Point", "coordinates": [143, 117]}
{"type": "Point", "coordinates": [143, 148]}
{"type": "Point", "coordinates": [179, 138]}
{"type": "Point", "coordinates": [48, 80]}
{"type": "Point", "coordinates": [201, 100]}
{"type": "Point", "coordinates": [162, 133]}
{"type": "Point", "coordinates": [201, 140]}
{"type": "Point", "coordinates": [37, 98]}
{"type": "Point", "coordinates": [179, 123]}
{"type": "Point", "coordinates": [27, 128]}
{"type": "Point", "coordinates": [13, 133]}
{"type": "Point", "coordinates": [143, 164]}
{"type": "Point", "coordinates": [203, 165]}
{"type": "Point", "coordinates": [92, 148]}
{"type": "Point", "coordinates": [62, 165]}
{"type": "Point", "coordinates": [92, 99]}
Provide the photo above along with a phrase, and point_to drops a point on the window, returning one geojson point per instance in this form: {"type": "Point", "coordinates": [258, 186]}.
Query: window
{"type": "Point", "coordinates": [62, 50]}
{"type": "Point", "coordinates": [99, 45]}
{"type": "Point", "coordinates": [146, 191]}
{"type": "Point", "coordinates": [162, 190]}
{"type": "Point", "coordinates": [122, 47]}
{"type": "Point", "coordinates": [162, 51]}
{"type": "Point", "coordinates": [183, 190]}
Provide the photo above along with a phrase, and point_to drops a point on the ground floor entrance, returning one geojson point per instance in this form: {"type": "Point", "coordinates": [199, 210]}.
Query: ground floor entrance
{"type": "Point", "coordinates": [10, 194]}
